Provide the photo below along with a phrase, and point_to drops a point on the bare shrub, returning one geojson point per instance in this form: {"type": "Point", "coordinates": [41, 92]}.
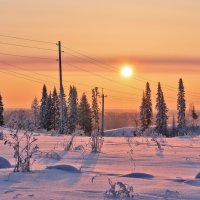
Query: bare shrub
{"type": "Point", "coordinates": [69, 144]}
{"type": "Point", "coordinates": [23, 145]}
{"type": "Point", "coordinates": [159, 146]}
{"type": "Point", "coordinates": [117, 190]}
{"type": "Point", "coordinates": [96, 142]}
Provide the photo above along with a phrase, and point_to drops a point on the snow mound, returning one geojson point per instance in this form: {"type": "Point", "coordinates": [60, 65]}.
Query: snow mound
{"type": "Point", "coordinates": [178, 180]}
{"type": "Point", "coordinates": [197, 176]}
{"type": "Point", "coordinates": [139, 175]}
{"type": "Point", "coordinates": [66, 168]}
{"type": "Point", "coordinates": [193, 182]}
{"type": "Point", "coordinates": [4, 163]}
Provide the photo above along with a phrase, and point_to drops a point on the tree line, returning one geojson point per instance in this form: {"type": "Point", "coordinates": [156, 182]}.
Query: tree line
{"type": "Point", "coordinates": [161, 122]}
{"type": "Point", "coordinates": [76, 115]}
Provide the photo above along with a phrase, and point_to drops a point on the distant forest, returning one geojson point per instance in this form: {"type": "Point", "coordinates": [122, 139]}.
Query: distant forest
{"type": "Point", "coordinates": [113, 118]}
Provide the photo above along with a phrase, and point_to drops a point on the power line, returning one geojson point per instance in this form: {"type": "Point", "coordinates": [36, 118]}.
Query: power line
{"type": "Point", "coordinates": [108, 79]}
{"type": "Point", "coordinates": [22, 76]}
{"type": "Point", "coordinates": [30, 77]}
{"type": "Point", "coordinates": [26, 46]}
{"type": "Point", "coordinates": [16, 75]}
{"type": "Point", "coordinates": [51, 77]}
{"type": "Point", "coordinates": [93, 60]}
{"type": "Point", "coordinates": [43, 81]}
{"type": "Point", "coordinates": [26, 39]}
{"type": "Point", "coordinates": [110, 67]}
{"type": "Point", "coordinates": [35, 57]}
{"type": "Point", "coordinates": [103, 77]}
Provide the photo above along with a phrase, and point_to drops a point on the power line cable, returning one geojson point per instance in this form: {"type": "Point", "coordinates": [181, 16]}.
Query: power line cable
{"type": "Point", "coordinates": [110, 67]}
{"type": "Point", "coordinates": [35, 57]}
{"type": "Point", "coordinates": [26, 46]}
{"type": "Point", "coordinates": [26, 39]}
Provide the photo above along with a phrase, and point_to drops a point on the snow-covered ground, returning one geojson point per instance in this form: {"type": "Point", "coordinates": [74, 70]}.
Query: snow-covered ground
{"type": "Point", "coordinates": [173, 170]}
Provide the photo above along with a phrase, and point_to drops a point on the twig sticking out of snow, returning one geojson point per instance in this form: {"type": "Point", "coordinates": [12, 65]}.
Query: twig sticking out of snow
{"type": "Point", "coordinates": [131, 152]}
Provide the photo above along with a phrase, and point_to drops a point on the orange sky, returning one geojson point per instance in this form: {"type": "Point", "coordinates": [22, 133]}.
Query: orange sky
{"type": "Point", "coordinates": [159, 38]}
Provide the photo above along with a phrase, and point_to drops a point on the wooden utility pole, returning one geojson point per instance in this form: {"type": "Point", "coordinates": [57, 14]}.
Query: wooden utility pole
{"type": "Point", "coordinates": [102, 113]}
{"type": "Point", "coordinates": [61, 88]}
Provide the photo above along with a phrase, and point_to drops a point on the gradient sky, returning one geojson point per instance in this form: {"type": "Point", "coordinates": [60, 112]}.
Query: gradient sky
{"type": "Point", "coordinates": [160, 39]}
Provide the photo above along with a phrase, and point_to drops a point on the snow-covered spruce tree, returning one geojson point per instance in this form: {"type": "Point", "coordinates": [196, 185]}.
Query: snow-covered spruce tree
{"type": "Point", "coordinates": [48, 113]}
{"type": "Point", "coordinates": [161, 116]}
{"type": "Point", "coordinates": [142, 113]}
{"type": "Point", "coordinates": [55, 110]}
{"type": "Point", "coordinates": [65, 113]}
{"type": "Point", "coordinates": [95, 108]}
{"type": "Point", "coordinates": [35, 109]}
{"type": "Point", "coordinates": [65, 117]}
{"type": "Point", "coordinates": [1, 112]}
{"type": "Point", "coordinates": [85, 115]}
{"type": "Point", "coordinates": [43, 103]}
{"type": "Point", "coordinates": [72, 109]}
{"type": "Point", "coordinates": [173, 128]}
{"type": "Point", "coordinates": [148, 106]}
{"type": "Point", "coordinates": [181, 107]}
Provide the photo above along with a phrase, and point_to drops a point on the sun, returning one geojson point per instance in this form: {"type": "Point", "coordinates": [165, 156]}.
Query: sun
{"type": "Point", "coordinates": [126, 71]}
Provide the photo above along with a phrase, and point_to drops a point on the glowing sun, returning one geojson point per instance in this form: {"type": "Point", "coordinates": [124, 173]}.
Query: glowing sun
{"type": "Point", "coordinates": [126, 71]}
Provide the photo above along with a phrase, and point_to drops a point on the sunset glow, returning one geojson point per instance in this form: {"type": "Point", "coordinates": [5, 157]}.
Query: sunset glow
{"type": "Point", "coordinates": [126, 71]}
{"type": "Point", "coordinates": [97, 30]}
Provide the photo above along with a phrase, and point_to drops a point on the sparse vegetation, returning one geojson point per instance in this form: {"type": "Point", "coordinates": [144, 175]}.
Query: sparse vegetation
{"type": "Point", "coordinates": [23, 144]}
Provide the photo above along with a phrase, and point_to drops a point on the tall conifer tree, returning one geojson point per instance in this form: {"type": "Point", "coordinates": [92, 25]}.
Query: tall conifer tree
{"type": "Point", "coordinates": [148, 106]}
{"type": "Point", "coordinates": [1, 112]}
{"type": "Point", "coordinates": [85, 115]}
{"type": "Point", "coordinates": [65, 113]}
{"type": "Point", "coordinates": [48, 114]}
{"type": "Point", "coordinates": [161, 116]}
{"type": "Point", "coordinates": [181, 107]}
{"type": "Point", "coordinates": [43, 108]}
{"type": "Point", "coordinates": [72, 109]}
{"type": "Point", "coordinates": [35, 108]}
{"type": "Point", "coordinates": [142, 113]}
{"type": "Point", "coordinates": [55, 110]}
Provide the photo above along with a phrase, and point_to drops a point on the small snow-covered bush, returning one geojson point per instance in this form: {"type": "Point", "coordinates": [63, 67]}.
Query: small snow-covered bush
{"type": "Point", "coordinates": [119, 190]}
{"type": "Point", "coordinates": [79, 148]}
{"type": "Point", "coordinates": [24, 147]}
{"type": "Point", "coordinates": [96, 142]}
